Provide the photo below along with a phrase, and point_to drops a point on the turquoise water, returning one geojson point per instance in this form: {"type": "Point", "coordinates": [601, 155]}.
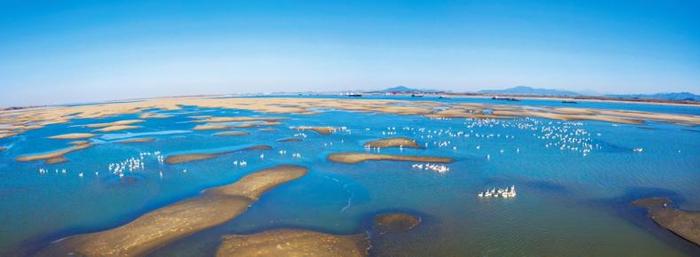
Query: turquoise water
{"type": "Point", "coordinates": [573, 198]}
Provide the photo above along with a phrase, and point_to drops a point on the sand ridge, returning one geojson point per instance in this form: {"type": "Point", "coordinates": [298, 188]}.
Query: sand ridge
{"type": "Point", "coordinates": [392, 142]}
{"type": "Point", "coordinates": [293, 242]}
{"type": "Point", "coordinates": [167, 224]}
{"type": "Point", "coordinates": [73, 136]}
{"type": "Point", "coordinates": [190, 157]}
{"type": "Point", "coordinates": [357, 157]}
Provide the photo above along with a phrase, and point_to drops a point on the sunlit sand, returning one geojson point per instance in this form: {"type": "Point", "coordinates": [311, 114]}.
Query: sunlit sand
{"type": "Point", "coordinates": [56, 156]}
{"type": "Point", "coordinates": [352, 158]}
{"type": "Point", "coordinates": [73, 136]}
{"type": "Point", "coordinates": [392, 142]}
{"type": "Point", "coordinates": [159, 227]}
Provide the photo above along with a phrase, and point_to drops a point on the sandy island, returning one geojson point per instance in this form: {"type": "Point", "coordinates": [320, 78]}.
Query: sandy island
{"type": "Point", "coordinates": [183, 158]}
{"type": "Point", "coordinates": [165, 225]}
{"type": "Point", "coordinates": [395, 222]}
{"type": "Point", "coordinates": [211, 127]}
{"type": "Point", "coordinates": [136, 140]}
{"type": "Point", "coordinates": [393, 142]}
{"type": "Point", "coordinates": [114, 123]}
{"type": "Point", "coordinates": [53, 157]}
{"type": "Point", "coordinates": [352, 158]}
{"type": "Point", "coordinates": [73, 136]}
{"type": "Point", "coordinates": [685, 224]}
{"type": "Point", "coordinates": [153, 115]}
{"type": "Point", "coordinates": [117, 128]}
{"type": "Point", "coordinates": [293, 242]}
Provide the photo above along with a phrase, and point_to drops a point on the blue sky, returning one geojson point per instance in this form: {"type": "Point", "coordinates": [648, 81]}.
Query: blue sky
{"type": "Point", "coordinates": [82, 51]}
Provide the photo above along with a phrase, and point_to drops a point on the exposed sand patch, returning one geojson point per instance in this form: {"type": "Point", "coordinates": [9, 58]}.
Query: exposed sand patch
{"type": "Point", "coordinates": [393, 142]}
{"type": "Point", "coordinates": [183, 158]}
{"type": "Point", "coordinates": [56, 160]}
{"type": "Point", "coordinates": [293, 242]}
{"type": "Point", "coordinates": [210, 119]}
{"type": "Point", "coordinates": [79, 142]}
{"type": "Point", "coordinates": [211, 127]}
{"type": "Point", "coordinates": [115, 123]}
{"type": "Point", "coordinates": [53, 154]}
{"type": "Point", "coordinates": [165, 225]}
{"type": "Point", "coordinates": [117, 128]}
{"type": "Point", "coordinates": [6, 134]}
{"type": "Point", "coordinates": [153, 115]}
{"type": "Point", "coordinates": [685, 224]}
{"type": "Point", "coordinates": [232, 134]}
{"type": "Point", "coordinates": [319, 130]}
{"type": "Point", "coordinates": [352, 158]}
{"type": "Point", "coordinates": [395, 222]}
{"type": "Point", "coordinates": [136, 140]}
{"type": "Point", "coordinates": [73, 136]}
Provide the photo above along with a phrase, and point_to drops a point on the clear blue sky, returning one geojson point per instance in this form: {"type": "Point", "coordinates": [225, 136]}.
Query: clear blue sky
{"type": "Point", "coordinates": [78, 51]}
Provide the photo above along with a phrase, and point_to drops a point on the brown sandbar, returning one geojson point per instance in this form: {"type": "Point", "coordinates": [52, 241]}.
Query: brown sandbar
{"type": "Point", "coordinates": [293, 242]}
{"type": "Point", "coordinates": [183, 158]}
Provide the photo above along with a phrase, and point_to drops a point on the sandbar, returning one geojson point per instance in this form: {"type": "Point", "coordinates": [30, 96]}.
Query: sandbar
{"type": "Point", "coordinates": [685, 224]}
{"type": "Point", "coordinates": [73, 136]}
{"type": "Point", "coordinates": [395, 222]}
{"type": "Point", "coordinates": [114, 123]}
{"type": "Point", "coordinates": [293, 242]}
{"type": "Point", "coordinates": [393, 142]}
{"type": "Point", "coordinates": [210, 127]}
{"type": "Point", "coordinates": [154, 115]}
{"type": "Point", "coordinates": [136, 140]}
{"type": "Point", "coordinates": [183, 158]}
{"type": "Point", "coordinates": [117, 128]}
{"type": "Point", "coordinates": [356, 157]}
{"type": "Point", "coordinates": [53, 154]}
{"type": "Point", "coordinates": [170, 223]}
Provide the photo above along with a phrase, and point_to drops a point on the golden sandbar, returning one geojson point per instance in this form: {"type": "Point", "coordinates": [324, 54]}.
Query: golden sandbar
{"type": "Point", "coordinates": [73, 136]}
{"type": "Point", "coordinates": [354, 157]}
{"type": "Point", "coordinates": [170, 223]}
{"type": "Point", "coordinates": [393, 142]}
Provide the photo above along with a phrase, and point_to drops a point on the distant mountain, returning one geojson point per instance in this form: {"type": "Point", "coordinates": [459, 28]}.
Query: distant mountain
{"type": "Point", "coordinates": [406, 90]}
{"type": "Point", "coordinates": [674, 96]}
{"type": "Point", "coordinates": [525, 90]}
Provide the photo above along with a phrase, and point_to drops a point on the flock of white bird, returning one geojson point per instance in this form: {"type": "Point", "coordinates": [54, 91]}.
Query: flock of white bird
{"type": "Point", "coordinates": [499, 193]}
{"type": "Point", "coordinates": [439, 168]}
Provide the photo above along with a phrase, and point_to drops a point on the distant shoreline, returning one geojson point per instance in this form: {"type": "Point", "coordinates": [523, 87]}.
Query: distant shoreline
{"type": "Point", "coordinates": [434, 94]}
{"type": "Point", "coordinates": [553, 98]}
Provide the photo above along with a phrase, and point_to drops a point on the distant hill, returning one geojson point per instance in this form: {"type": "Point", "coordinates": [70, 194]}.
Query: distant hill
{"type": "Point", "coordinates": [406, 90]}
{"type": "Point", "coordinates": [525, 90]}
{"type": "Point", "coordinates": [679, 96]}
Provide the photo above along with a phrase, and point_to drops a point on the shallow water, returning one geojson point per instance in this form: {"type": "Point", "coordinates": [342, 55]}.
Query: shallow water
{"type": "Point", "coordinates": [573, 198]}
